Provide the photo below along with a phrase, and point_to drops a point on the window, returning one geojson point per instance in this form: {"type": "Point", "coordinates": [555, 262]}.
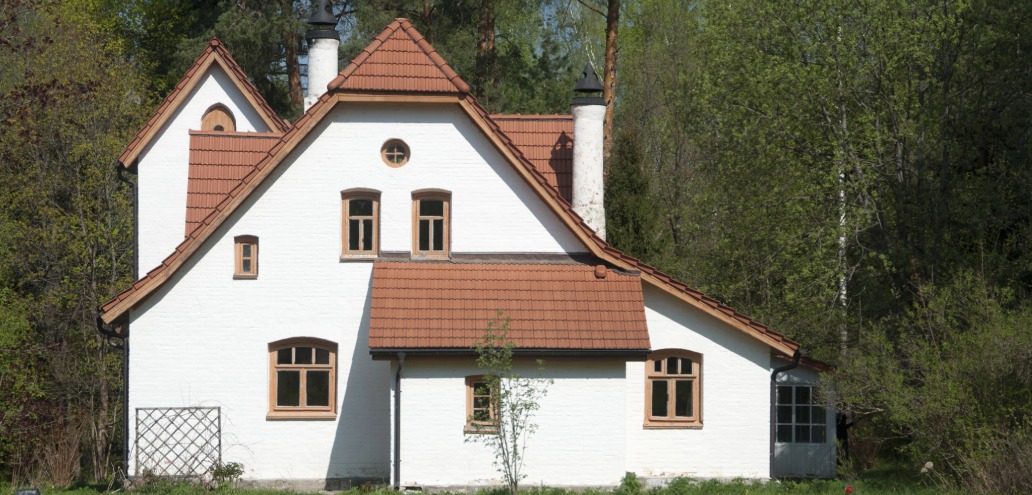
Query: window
{"type": "Point", "coordinates": [361, 229]}
{"type": "Point", "coordinates": [673, 383]}
{"type": "Point", "coordinates": [302, 379]}
{"type": "Point", "coordinates": [430, 225]}
{"type": "Point", "coordinates": [218, 118]}
{"type": "Point", "coordinates": [799, 419]}
{"type": "Point", "coordinates": [481, 415]}
{"type": "Point", "coordinates": [246, 265]}
{"type": "Point", "coordinates": [395, 153]}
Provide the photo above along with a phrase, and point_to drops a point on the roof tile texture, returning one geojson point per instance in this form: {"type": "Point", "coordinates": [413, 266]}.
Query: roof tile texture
{"type": "Point", "coordinates": [219, 161]}
{"type": "Point", "coordinates": [547, 142]}
{"type": "Point", "coordinates": [419, 305]}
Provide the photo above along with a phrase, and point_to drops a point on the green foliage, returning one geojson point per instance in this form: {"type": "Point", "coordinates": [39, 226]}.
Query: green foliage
{"type": "Point", "coordinates": [632, 223]}
{"type": "Point", "coordinates": [514, 399]}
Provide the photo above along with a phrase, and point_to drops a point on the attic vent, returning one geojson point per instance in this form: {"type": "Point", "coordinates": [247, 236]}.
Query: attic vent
{"type": "Point", "coordinates": [395, 153]}
{"type": "Point", "coordinates": [218, 118]}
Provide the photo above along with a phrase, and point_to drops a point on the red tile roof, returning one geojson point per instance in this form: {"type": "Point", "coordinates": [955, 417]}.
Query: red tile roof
{"type": "Point", "coordinates": [218, 162]}
{"type": "Point", "coordinates": [215, 53]}
{"type": "Point", "coordinates": [399, 59]}
{"type": "Point", "coordinates": [129, 298]}
{"type": "Point", "coordinates": [419, 305]}
{"type": "Point", "coordinates": [547, 142]}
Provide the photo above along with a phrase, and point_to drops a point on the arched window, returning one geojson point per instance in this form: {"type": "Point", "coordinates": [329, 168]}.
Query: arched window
{"type": "Point", "coordinates": [673, 389]}
{"type": "Point", "coordinates": [218, 118]}
{"type": "Point", "coordinates": [302, 379]}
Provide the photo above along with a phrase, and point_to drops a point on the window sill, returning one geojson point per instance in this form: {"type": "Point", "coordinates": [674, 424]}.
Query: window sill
{"type": "Point", "coordinates": [672, 426]}
{"type": "Point", "coordinates": [423, 256]}
{"type": "Point", "coordinates": [346, 258]}
{"type": "Point", "coordinates": [313, 415]}
{"type": "Point", "coordinates": [241, 276]}
{"type": "Point", "coordinates": [480, 430]}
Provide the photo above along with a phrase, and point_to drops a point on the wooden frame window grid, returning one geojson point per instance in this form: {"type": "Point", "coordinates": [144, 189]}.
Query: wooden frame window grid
{"type": "Point", "coordinates": [245, 257]}
{"type": "Point", "coordinates": [218, 118]}
{"type": "Point", "coordinates": [395, 153]}
{"type": "Point", "coordinates": [481, 412]}
{"type": "Point", "coordinates": [673, 389]}
{"type": "Point", "coordinates": [799, 419]}
{"type": "Point", "coordinates": [431, 225]}
{"type": "Point", "coordinates": [360, 231]}
{"type": "Point", "coordinates": [302, 379]}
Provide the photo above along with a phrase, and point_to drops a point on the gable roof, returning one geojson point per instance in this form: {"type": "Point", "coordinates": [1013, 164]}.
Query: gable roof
{"type": "Point", "coordinates": [214, 54]}
{"type": "Point", "coordinates": [399, 59]}
{"type": "Point", "coordinates": [445, 306]}
{"type": "Point", "coordinates": [547, 142]}
{"type": "Point", "coordinates": [132, 296]}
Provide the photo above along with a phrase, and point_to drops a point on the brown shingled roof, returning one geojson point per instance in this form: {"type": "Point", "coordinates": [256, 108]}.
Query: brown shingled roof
{"type": "Point", "coordinates": [217, 54]}
{"type": "Point", "coordinates": [135, 294]}
{"type": "Point", "coordinates": [399, 59]}
{"type": "Point", "coordinates": [418, 305]}
{"type": "Point", "coordinates": [218, 162]}
{"type": "Point", "coordinates": [547, 142]}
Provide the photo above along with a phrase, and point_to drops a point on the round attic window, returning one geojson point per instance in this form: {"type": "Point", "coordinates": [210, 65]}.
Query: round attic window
{"type": "Point", "coordinates": [395, 153]}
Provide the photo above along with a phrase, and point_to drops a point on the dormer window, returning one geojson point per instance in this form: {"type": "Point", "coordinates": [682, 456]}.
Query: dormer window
{"type": "Point", "coordinates": [218, 118]}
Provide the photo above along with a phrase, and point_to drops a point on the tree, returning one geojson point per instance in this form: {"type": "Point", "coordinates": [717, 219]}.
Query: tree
{"type": "Point", "coordinates": [514, 400]}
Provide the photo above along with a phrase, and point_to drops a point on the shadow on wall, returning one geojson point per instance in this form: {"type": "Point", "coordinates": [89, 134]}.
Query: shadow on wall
{"type": "Point", "coordinates": [360, 452]}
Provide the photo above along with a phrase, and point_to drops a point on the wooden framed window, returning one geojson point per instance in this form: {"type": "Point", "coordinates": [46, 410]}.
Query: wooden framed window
{"type": "Point", "coordinates": [361, 230]}
{"type": "Point", "coordinates": [481, 412]}
{"type": "Point", "coordinates": [431, 227]}
{"type": "Point", "coordinates": [246, 258]}
{"type": "Point", "coordinates": [302, 379]}
{"type": "Point", "coordinates": [218, 118]}
{"type": "Point", "coordinates": [395, 153]}
{"type": "Point", "coordinates": [799, 420]}
{"type": "Point", "coordinates": [673, 389]}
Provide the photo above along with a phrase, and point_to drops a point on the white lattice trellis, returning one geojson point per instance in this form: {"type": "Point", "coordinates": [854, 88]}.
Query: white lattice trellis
{"type": "Point", "coordinates": [178, 441]}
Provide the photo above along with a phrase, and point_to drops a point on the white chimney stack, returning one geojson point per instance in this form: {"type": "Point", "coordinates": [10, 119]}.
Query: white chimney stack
{"type": "Point", "coordinates": [323, 42]}
{"type": "Point", "coordinates": [589, 112]}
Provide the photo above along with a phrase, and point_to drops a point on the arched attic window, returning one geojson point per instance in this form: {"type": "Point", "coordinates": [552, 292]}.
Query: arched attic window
{"type": "Point", "coordinates": [218, 118]}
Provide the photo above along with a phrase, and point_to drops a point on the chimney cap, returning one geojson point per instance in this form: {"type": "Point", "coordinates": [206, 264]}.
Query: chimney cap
{"type": "Point", "coordinates": [586, 85]}
{"type": "Point", "coordinates": [323, 23]}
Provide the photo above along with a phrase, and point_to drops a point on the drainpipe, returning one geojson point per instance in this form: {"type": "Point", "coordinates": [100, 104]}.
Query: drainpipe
{"type": "Point", "coordinates": [397, 422]}
{"type": "Point", "coordinates": [796, 356]}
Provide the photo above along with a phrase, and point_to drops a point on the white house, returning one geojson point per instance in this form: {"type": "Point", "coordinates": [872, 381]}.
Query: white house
{"type": "Point", "coordinates": [315, 290]}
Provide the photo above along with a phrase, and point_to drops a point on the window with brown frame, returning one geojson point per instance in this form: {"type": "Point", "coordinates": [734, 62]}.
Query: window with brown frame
{"type": "Point", "coordinates": [430, 225]}
{"type": "Point", "coordinates": [302, 379]}
{"type": "Point", "coordinates": [361, 229]}
{"type": "Point", "coordinates": [218, 118]}
{"type": "Point", "coordinates": [481, 414]}
{"type": "Point", "coordinates": [395, 153]}
{"type": "Point", "coordinates": [673, 395]}
{"type": "Point", "coordinates": [246, 258]}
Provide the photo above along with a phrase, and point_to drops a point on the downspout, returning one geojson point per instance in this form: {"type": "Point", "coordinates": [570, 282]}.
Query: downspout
{"type": "Point", "coordinates": [796, 356]}
{"type": "Point", "coordinates": [397, 422]}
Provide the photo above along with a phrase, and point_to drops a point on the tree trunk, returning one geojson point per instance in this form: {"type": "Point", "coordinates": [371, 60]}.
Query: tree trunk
{"type": "Point", "coordinates": [486, 74]}
{"type": "Point", "coordinates": [609, 78]}
{"type": "Point", "coordinates": [290, 38]}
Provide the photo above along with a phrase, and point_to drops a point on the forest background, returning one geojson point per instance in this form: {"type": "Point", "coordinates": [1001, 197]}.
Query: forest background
{"type": "Point", "coordinates": [854, 174]}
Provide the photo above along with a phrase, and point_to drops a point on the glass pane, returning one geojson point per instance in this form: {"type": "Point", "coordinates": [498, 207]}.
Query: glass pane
{"type": "Point", "coordinates": [683, 399]}
{"type": "Point", "coordinates": [802, 414]}
{"type": "Point", "coordinates": [671, 365]}
{"type": "Point", "coordinates": [481, 402]}
{"type": "Point", "coordinates": [288, 388]}
{"type": "Point", "coordinates": [317, 388]}
{"type": "Point", "coordinates": [361, 207]}
{"type": "Point", "coordinates": [686, 367]}
{"type": "Point", "coordinates": [659, 398]}
{"type": "Point", "coordinates": [802, 395]}
{"type": "Point", "coordinates": [438, 235]}
{"type": "Point", "coordinates": [367, 235]}
{"type": "Point", "coordinates": [322, 356]}
{"type": "Point", "coordinates": [245, 266]}
{"type": "Point", "coordinates": [785, 433]}
{"type": "Point", "coordinates": [302, 355]}
{"type": "Point", "coordinates": [283, 356]}
{"type": "Point", "coordinates": [802, 433]}
{"type": "Point", "coordinates": [431, 207]}
{"type": "Point", "coordinates": [353, 229]}
{"type": "Point", "coordinates": [784, 414]}
{"type": "Point", "coordinates": [819, 415]}
{"type": "Point", "coordinates": [247, 250]}
{"type": "Point", "coordinates": [481, 414]}
{"type": "Point", "coordinates": [424, 235]}
{"type": "Point", "coordinates": [784, 395]}
{"type": "Point", "coordinates": [818, 434]}
{"type": "Point", "coordinates": [657, 366]}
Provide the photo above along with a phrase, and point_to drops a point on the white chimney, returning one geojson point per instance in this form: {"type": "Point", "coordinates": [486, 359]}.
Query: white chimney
{"type": "Point", "coordinates": [323, 42]}
{"type": "Point", "coordinates": [589, 112]}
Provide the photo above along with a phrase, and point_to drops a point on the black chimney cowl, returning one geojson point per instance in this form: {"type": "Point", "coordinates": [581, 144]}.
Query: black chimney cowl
{"type": "Point", "coordinates": [323, 23]}
{"type": "Point", "coordinates": [586, 85]}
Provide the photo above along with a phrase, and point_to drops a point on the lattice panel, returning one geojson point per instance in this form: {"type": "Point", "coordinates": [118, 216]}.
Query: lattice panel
{"type": "Point", "coordinates": [178, 441]}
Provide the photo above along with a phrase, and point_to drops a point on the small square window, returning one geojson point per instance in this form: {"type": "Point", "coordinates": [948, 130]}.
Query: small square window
{"type": "Point", "coordinates": [246, 257]}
